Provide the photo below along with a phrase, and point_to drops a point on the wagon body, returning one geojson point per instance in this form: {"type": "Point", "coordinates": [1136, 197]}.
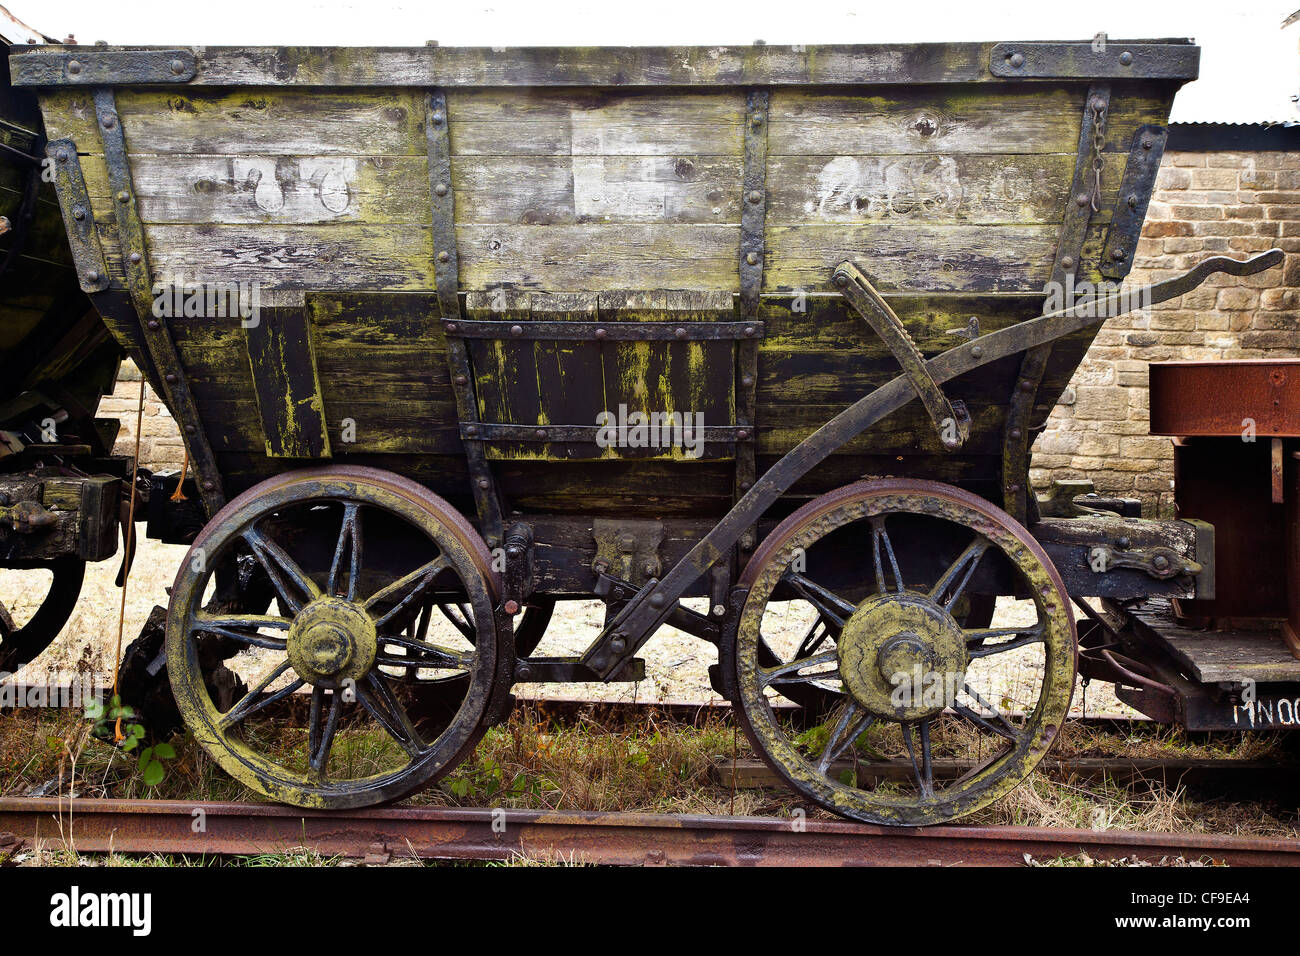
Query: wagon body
{"type": "Point", "coordinates": [368, 197]}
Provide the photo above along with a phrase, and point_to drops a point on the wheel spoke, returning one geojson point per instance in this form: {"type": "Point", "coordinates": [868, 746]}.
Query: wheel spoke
{"type": "Point", "coordinates": [405, 590]}
{"type": "Point", "coordinates": [833, 608]}
{"type": "Point", "coordinates": [320, 737]}
{"type": "Point", "coordinates": [462, 623]}
{"type": "Point", "coordinates": [924, 771]}
{"type": "Point", "coordinates": [253, 701]}
{"type": "Point", "coordinates": [954, 580]}
{"type": "Point", "coordinates": [228, 625]}
{"type": "Point", "coordinates": [879, 540]}
{"type": "Point", "coordinates": [291, 583]}
{"type": "Point", "coordinates": [1005, 730]}
{"type": "Point", "coordinates": [429, 655]}
{"type": "Point", "coordinates": [777, 674]}
{"type": "Point", "coordinates": [383, 705]}
{"type": "Point", "coordinates": [1027, 637]}
{"type": "Point", "coordinates": [812, 640]}
{"type": "Point", "coordinates": [852, 722]}
{"type": "Point", "coordinates": [348, 549]}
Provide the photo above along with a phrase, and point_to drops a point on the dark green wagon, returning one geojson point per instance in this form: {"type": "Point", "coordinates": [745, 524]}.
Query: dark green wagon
{"type": "Point", "coordinates": [455, 334]}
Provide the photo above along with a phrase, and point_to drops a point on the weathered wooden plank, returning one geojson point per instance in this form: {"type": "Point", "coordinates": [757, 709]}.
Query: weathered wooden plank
{"type": "Point", "coordinates": [235, 425]}
{"type": "Point", "coordinates": [192, 188]}
{"type": "Point", "coordinates": [906, 432]}
{"type": "Point", "coordinates": [598, 257]}
{"type": "Point", "coordinates": [286, 385]}
{"type": "Point", "coordinates": [548, 190]}
{"type": "Point", "coordinates": [930, 188]}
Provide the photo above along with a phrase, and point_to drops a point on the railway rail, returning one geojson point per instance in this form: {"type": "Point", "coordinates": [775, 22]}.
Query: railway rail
{"type": "Point", "coordinates": [627, 839]}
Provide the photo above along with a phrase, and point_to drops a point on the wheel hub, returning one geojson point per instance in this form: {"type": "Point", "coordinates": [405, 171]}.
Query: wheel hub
{"type": "Point", "coordinates": [332, 641]}
{"type": "Point", "coordinates": [902, 656]}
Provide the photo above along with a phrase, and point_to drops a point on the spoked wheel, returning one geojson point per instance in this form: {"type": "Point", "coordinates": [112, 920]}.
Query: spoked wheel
{"type": "Point", "coordinates": [20, 645]}
{"type": "Point", "coordinates": [965, 708]}
{"type": "Point", "coordinates": [359, 560]}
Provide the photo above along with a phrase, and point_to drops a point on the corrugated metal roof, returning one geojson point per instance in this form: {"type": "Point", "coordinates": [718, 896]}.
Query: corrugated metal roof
{"type": "Point", "coordinates": [1250, 65]}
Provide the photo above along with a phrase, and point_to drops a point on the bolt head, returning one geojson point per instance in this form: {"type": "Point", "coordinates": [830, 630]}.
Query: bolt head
{"type": "Point", "coordinates": [462, 380]}
{"type": "Point", "coordinates": [1017, 60]}
{"type": "Point", "coordinates": [751, 258]}
{"type": "Point", "coordinates": [977, 351]}
{"type": "Point", "coordinates": [1067, 263]}
{"type": "Point", "coordinates": [1081, 200]}
{"type": "Point", "coordinates": [680, 333]}
{"type": "Point", "coordinates": [755, 196]}
{"type": "Point", "coordinates": [601, 333]}
{"type": "Point", "coordinates": [177, 67]}
{"type": "Point", "coordinates": [540, 433]}
{"type": "Point", "coordinates": [171, 378]}
{"type": "Point", "coordinates": [512, 607]}
{"type": "Point", "coordinates": [92, 276]}
{"type": "Point", "coordinates": [124, 197]}
{"type": "Point", "coordinates": [78, 212]}
{"type": "Point", "coordinates": [153, 325]}
{"type": "Point", "coordinates": [444, 256]}
{"type": "Point", "coordinates": [841, 279]}
{"type": "Point", "coordinates": [109, 121]}
{"type": "Point", "coordinates": [1125, 58]}
{"type": "Point", "coordinates": [61, 155]}
{"type": "Point", "coordinates": [483, 483]}
{"type": "Point", "coordinates": [190, 429]}
{"type": "Point", "coordinates": [750, 331]}
{"type": "Point", "coordinates": [471, 430]}
{"type": "Point", "coordinates": [657, 599]}
{"type": "Point", "coordinates": [209, 486]}
{"type": "Point", "coordinates": [440, 189]}
{"type": "Point", "coordinates": [451, 326]}
{"type": "Point", "coordinates": [516, 330]}
{"type": "Point", "coordinates": [742, 435]}
{"type": "Point", "coordinates": [74, 67]}
{"type": "Point", "coordinates": [136, 258]}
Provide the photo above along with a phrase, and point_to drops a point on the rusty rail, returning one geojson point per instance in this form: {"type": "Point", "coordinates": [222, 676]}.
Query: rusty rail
{"type": "Point", "coordinates": [155, 826]}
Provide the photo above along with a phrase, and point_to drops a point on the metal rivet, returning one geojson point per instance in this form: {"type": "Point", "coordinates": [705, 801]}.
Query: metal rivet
{"type": "Point", "coordinates": [1125, 58]}
{"type": "Point", "coordinates": [540, 433]}
{"type": "Point", "coordinates": [841, 279]}
{"type": "Point", "coordinates": [742, 435]}
{"type": "Point", "coordinates": [746, 485]}
{"type": "Point", "coordinates": [109, 121]}
{"type": "Point", "coordinates": [756, 120]}
{"type": "Point", "coordinates": [61, 155]}
{"type": "Point", "coordinates": [177, 67]}
{"type": "Point", "coordinates": [1026, 385]}
{"type": "Point", "coordinates": [78, 213]}
{"type": "Point", "coordinates": [444, 256]}
{"type": "Point", "coordinates": [977, 351]}
{"type": "Point", "coordinates": [484, 483]}
{"type": "Point", "coordinates": [1147, 143]}
{"type": "Point", "coordinates": [1067, 263]}
{"type": "Point", "coordinates": [1017, 60]}
{"type": "Point", "coordinates": [440, 189]}
{"type": "Point", "coordinates": [680, 333]}
{"type": "Point", "coordinates": [749, 331]}
{"type": "Point", "coordinates": [190, 429]}
{"type": "Point", "coordinates": [208, 486]}
{"type": "Point", "coordinates": [752, 258]}
{"type": "Point", "coordinates": [92, 276]}
{"type": "Point", "coordinates": [451, 326]}
{"type": "Point", "coordinates": [1014, 489]}
{"type": "Point", "coordinates": [755, 196]}
{"type": "Point", "coordinates": [601, 333]}
{"type": "Point", "coordinates": [136, 258]}
{"type": "Point", "coordinates": [124, 197]}
{"type": "Point", "coordinates": [471, 430]}
{"type": "Point", "coordinates": [171, 378]}
{"type": "Point", "coordinates": [657, 600]}
{"type": "Point", "coordinates": [74, 67]}
{"type": "Point", "coordinates": [1123, 543]}
{"type": "Point", "coordinates": [1117, 254]}
{"type": "Point", "coordinates": [153, 325]}
{"type": "Point", "coordinates": [437, 119]}
{"type": "Point", "coordinates": [516, 330]}
{"type": "Point", "coordinates": [747, 380]}
{"type": "Point", "coordinates": [1081, 200]}
{"type": "Point", "coordinates": [462, 380]}
{"type": "Point", "coordinates": [1132, 202]}
{"type": "Point", "coordinates": [1016, 433]}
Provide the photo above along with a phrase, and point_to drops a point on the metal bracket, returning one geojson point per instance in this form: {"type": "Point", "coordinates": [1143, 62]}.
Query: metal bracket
{"type": "Point", "coordinates": [753, 211]}
{"type": "Point", "coordinates": [1100, 59]}
{"type": "Point", "coordinates": [949, 421]}
{"type": "Point", "coordinates": [517, 582]}
{"type": "Point", "coordinates": [446, 265]}
{"type": "Point", "coordinates": [1134, 196]}
{"type": "Point", "coordinates": [74, 201]}
{"type": "Point", "coordinates": [627, 549]}
{"type": "Point", "coordinates": [87, 67]}
{"type": "Point", "coordinates": [1159, 563]}
{"type": "Point", "coordinates": [26, 517]}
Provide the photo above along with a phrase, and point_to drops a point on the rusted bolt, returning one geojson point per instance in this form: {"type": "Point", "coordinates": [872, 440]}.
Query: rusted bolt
{"type": "Point", "coordinates": [437, 118]}
{"type": "Point", "coordinates": [1125, 58]}
{"type": "Point", "coordinates": [516, 330]}
{"type": "Point", "coordinates": [444, 256]}
{"type": "Point", "coordinates": [841, 279]}
{"type": "Point", "coordinates": [1148, 143]}
{"type": "Point", "coordinates": [601, 333]}
{"type": "Point", "coordinates": [649, 568]}
{"type": "Point", "coordinates": [74, 67]}
{"type": "Point", "coordinates": [751, 258]}
{"type": "Point", "coordinates": [540, 433]}
{"type": "Point", "coordinates": [600, 566]}
{"type": "Point", "coordinates": [680, 333]}
{"type": "Point", "coordinates": [177, 67]}
{"type": "Point", "coordinates": [755, 196]}
{"type": "Point", "coordinates": [451, 326]}
{"type": "Point", "coordinates": [153, 325]}
{"type": "Point", "coordinates": [440, 189]}
{"type": "Point", "coordinates": [1160, 562]}
{"type": "Point", "coordinates": [1117, 254]}
{"type": "Point", "coordinates": [1017, 60]}
{"type": "Point", "coordinates": [523, 672]}
{"type": "Point", "coordinates": [135, 258]}
{"type": "Point", "coordinates": [462, 380]}
{"type": "Point", "coordinates": [512, 607]}
{"type": "Point", "coordinates": [78, 212]}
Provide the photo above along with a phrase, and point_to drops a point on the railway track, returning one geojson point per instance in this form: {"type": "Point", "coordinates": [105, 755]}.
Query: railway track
{"type": "Point", "coordinates": [626, 839]}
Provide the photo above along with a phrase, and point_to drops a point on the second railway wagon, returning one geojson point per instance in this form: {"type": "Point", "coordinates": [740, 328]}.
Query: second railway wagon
{"type": "Point", "coordinates": [453, 334]}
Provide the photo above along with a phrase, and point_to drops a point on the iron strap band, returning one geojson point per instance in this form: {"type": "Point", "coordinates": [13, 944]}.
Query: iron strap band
{"type": "Point", "coordinates": [172, 381]}
{"type": "Point", "coordinates": [753, 202]}
{"type": "Point", "coordinates": [615, 331]}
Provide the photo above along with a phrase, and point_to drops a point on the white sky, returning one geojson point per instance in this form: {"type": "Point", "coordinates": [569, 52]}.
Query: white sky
{"type": "Point", "coordinates": [1250, 67]}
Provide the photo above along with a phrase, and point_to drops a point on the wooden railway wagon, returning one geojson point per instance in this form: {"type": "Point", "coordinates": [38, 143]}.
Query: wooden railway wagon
{"type": "Point", "coordinates": [60, 487]}
{"type": "Point", "coordinates": [454, 334]}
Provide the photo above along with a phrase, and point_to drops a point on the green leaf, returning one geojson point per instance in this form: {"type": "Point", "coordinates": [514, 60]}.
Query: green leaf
{"type": "Point", "coordinates": [145, 756]}
{"type": "Point", "coordinates": [153, 774]}
{"type": "Point", "coordinates": [137, 730]}
{"type": "Point", "coordinates": [130, 743]}
{"type": "Point", "coordinates": [164, 751]}
{"type": "Point", "coordinates": [94, 709]}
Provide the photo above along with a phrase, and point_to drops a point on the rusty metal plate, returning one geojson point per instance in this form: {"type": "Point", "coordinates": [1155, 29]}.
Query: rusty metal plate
{"type": "Point", "coordinates": [1226, 398]}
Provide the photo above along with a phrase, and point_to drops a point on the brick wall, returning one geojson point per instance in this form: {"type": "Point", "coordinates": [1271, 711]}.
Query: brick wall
{"type": "Point", "coordinates": [1205, 203]}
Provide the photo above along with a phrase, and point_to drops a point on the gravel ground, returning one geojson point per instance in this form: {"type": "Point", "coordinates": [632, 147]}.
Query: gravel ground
{"type": "Point", "coordinates": [676, 663]}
